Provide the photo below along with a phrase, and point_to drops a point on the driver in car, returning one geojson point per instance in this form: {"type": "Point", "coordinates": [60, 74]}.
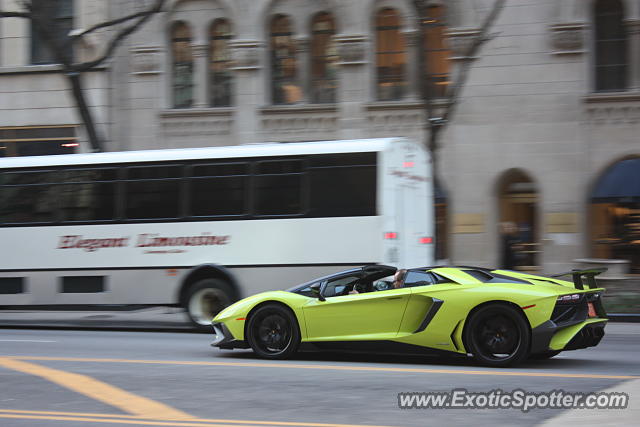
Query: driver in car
{"type": "Point", "coordinates": [398, 278]}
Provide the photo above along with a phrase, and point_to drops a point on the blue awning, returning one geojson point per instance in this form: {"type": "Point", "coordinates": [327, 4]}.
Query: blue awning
{"type": "Point", "coordinates": [621, 182]}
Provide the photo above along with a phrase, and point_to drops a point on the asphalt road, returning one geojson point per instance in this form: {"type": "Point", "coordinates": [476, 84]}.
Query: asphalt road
{"type": "Point", "coordinates": [54, 378]}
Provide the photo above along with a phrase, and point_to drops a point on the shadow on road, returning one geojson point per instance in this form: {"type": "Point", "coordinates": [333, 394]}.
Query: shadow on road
{"type": "Point", "coordinates": [561, 364]}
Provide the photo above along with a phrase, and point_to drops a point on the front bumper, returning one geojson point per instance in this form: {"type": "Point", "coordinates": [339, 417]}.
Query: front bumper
{"type": "Point", "coordinates": [224, 338]}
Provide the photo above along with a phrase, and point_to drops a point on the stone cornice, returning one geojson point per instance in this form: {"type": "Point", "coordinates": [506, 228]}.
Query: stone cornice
{"type": "Point", "coordinates": [299, 108]}
{"type": "Point", "coordinates": [612, 97]}
{"type": "Point", "coordinates": [197, 112]}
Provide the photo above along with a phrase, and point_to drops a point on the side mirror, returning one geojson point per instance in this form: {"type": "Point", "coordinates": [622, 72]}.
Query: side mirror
{"type": "Point", "coordinates": [315, 288]}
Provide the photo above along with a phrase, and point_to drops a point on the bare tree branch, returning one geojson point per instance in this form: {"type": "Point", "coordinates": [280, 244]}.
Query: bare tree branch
{"type": "Point", "coordinates": [41, 14]}
{"type": "Point", "coordinates": [157, 7]}
{"type": "Point", "coordinates": [25, 15]}
{"type": "Point", "coordinates": [122, 34]}
{"type": "Point", "coordinates": [453, 92]}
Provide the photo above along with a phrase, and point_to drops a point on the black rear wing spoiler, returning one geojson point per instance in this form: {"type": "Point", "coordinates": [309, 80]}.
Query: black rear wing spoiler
{"type": "Point", "coordinates": [578, 276]}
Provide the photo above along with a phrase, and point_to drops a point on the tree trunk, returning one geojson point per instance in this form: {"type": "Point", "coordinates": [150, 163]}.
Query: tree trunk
{"type": "Point", "coordinates": [85, 112]}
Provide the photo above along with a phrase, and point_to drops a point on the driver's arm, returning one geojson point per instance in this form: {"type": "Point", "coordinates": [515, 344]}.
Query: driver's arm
{"type": "Point", "coordinates": [354, 289]}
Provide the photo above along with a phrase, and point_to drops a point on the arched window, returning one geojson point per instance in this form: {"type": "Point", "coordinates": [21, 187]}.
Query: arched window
{"type": "Point", "coordinates": [610, 46]}
{"type": "Point", "coordinates": [284, 79]}
{"type": "Point", "coordinates": [436, 52]}
{"type": "Point", "coordinates": [518, 203]}
{"type": "Point", "coordinates": [182, 66]}
{"type": "Point", "coordinates": [220, 64]}
{"type": "Point", "coordinates": [391, 56]}
{"type": "Point", "coordinates": [323, 59]}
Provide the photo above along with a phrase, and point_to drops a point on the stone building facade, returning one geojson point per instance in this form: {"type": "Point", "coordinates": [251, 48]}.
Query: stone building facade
{"type": "Point", "coordinates": [551, 107]}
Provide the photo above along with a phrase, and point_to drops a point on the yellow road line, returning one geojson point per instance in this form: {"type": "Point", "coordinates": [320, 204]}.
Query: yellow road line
{"type": "Point", "coordinates": [195, 421]}
{"type": "Point", "coordinates": [98, 390]}
{"type": "Point", "coordinates": [495, 372]}
{"type": "Point", "coordinates": [118, 421]}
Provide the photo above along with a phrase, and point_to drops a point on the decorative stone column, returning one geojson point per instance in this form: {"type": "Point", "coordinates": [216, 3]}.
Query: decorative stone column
{"type": "Point", "coordinates": [412, 38]}
{"type": "Point", "coordinates": [567, 38]}
{"type": "Point", "coordinates": [633, 37]}
{"type": "Point", "coordinates": [303, 64]}
{"type": "Point", "coordinates": [354, 83]}
{"type": "Point", "coordinates": [200, 75]}
{"type": "Point", "coordinates": [247, 88]}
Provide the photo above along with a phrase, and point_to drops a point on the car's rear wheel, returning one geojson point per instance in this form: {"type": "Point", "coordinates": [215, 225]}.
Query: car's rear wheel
{"type": "Point", "coordinates": [497, 335]}
{"type": "Point", "coordinates": [205, 299]}
{"type": "Point", "coordinates": [545, 355]}
{"type": "Point", "coordinates": [273, 332]}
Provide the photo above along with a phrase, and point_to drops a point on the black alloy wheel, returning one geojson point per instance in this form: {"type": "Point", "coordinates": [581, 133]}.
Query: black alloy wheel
{"type": "Point", "coordinates": [497, 335]}
{"type": "Point", "coordinates": [272, 332]}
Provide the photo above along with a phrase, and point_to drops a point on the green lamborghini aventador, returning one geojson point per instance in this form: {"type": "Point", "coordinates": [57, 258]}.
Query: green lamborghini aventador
{"type": "Point", "coordinates": [499, 317]}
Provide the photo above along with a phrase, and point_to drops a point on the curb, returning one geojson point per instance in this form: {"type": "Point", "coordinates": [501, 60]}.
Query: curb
{"type": "Point", "coordinates": [624, 317]}
{"type": "Point", "coordinates": [84, 326]}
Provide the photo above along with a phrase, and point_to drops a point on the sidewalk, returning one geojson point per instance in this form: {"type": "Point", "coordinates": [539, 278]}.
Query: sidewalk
{"type": "Point", "coordinates": [148, 319]}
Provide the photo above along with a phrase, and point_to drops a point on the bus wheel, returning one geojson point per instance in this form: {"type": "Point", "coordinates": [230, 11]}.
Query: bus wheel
{"type": "Point", "coordinates": [205, 299]}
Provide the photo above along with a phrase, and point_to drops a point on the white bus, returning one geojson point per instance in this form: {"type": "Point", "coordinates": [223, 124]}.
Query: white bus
{"type": "Point", "coordinates": [199, 228]}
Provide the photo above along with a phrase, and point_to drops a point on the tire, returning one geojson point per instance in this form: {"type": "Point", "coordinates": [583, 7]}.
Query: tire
{"type": "Point", "coordinates": [273, 332]}
{"type": "Point", "coordinates": [546, 355]}
{"type": "Point", "coordinates": [205, 299]}
{"type": "Point", "coordinates": [497, 335]}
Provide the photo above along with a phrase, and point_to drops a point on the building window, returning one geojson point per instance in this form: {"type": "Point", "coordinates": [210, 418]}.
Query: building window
{"type": "Point", "coordinates": [285, 86]}
{"type": "Point", "coordinates": [615, 213]}
{"type": "Point", "coordinates": [323, 59]}
{"type": "Point", "coordinates": [610, 46]}
{"type": "Point", "coordinates": [220, 64]}
{"type": "Point", "coordinates": [436, 52]}
{"type": "Point", "coordinates": [391, 56]}
{"type": "Point", "coordinates": [182, 66]}
{"type": "Point", "coordinates": [61, 13]}
{"type": "Point", "coordinates": [37, 141]}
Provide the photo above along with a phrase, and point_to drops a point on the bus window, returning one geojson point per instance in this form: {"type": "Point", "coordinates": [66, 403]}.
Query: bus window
{"type": "Point", "coordinates": [153, 192]}
{"type": "Point", "coordinates": [27, 197]}
{"type": "Point", "coordinates": [218, 189]}
{"type": "Point", "coordinates": [343, 185]}
{"type": "Point", "coordinates": [87, 195]}
{"type": "Point", "coordinates": [278, 188]}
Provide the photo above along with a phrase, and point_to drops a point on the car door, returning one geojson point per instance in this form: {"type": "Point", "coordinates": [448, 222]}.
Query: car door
{"type": "Point", "coordinates": [371, 315]}
{"type": "Point", "coordinates": [435, 312]}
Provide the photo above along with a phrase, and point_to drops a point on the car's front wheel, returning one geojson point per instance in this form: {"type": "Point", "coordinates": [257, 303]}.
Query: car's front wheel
{"type": "Point", "coordinates": [273, 332]}
{"type": "Point", "coordinates": [497, 335]}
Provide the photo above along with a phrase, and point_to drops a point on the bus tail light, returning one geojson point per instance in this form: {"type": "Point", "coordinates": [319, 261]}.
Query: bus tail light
{"type": "Point", "coordinates": [426, 240]}
{"type": "Point", "coordinates": [390, 235]}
